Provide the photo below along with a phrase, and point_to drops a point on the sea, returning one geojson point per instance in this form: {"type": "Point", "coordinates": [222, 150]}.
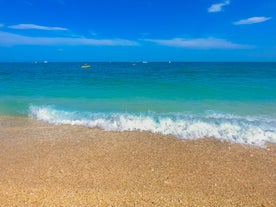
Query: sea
{"type": "Point", "coordinates": [234, 102]}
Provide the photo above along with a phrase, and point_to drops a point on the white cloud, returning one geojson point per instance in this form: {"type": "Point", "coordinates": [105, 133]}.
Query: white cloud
{"type": "Point", "coordinates": [200, 43]}
{"type": "Point", "coordinates": [10, 39]}
{"type": "Point", "coordinates": [218, 7]}
{"type": "Point", "coordinates": [39, 27]}
{"type": "Point", "coordinates": [252, 20]}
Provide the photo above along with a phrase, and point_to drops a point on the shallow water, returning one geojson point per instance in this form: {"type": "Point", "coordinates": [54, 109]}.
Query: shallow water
{"type": "Point", "coordinates": [229, 101]}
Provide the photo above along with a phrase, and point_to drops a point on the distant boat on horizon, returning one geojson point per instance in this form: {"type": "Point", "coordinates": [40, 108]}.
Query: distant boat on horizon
{"type": "Point", "coordinates": [86, 66]}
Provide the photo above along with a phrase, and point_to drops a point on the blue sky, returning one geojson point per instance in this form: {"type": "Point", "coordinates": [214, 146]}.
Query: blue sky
{"type": "Point", "coordinates": [132, 30]}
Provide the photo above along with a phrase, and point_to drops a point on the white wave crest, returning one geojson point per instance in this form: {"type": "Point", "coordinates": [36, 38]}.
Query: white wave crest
{"type": "Point", "coordinates": [252, 130]}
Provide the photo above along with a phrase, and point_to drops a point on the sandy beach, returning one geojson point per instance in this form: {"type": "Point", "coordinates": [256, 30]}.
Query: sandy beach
{"type": "Point", "coordinates": [49, 165]}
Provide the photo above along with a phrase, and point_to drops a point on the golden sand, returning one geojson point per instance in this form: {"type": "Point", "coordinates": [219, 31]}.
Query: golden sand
{"type": "Point", "coordinates": [47, 165]}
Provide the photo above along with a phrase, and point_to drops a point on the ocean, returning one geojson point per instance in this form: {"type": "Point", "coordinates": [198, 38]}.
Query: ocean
{"type": "Point", "coordinates": [234, 102]}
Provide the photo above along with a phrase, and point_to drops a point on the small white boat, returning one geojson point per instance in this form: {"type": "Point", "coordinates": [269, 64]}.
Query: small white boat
{"type": "Point", "coordinates": [85, 66]}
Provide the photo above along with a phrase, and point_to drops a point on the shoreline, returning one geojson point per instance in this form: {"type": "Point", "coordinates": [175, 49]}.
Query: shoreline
{"type": "Point", "coordinates": [62, 165]}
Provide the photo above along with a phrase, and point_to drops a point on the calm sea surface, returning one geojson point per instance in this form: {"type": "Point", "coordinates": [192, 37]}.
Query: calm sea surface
{"type": "Point", "coordinates": [229, 101]}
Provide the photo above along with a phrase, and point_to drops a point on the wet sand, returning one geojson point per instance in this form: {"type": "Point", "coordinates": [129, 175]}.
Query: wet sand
{"type": "Point", "coordinates": [48, 165]}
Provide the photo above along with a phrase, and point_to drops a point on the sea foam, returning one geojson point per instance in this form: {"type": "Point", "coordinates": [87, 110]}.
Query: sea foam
{"type": "Point", "coordinates": [253, 130]}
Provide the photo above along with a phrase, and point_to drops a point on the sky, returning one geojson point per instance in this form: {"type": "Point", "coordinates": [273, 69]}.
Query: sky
{"type": "Point", "coordinates": [137, 30]}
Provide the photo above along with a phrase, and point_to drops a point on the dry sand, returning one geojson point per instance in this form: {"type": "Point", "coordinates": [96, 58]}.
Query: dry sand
{"type": "Point", "coordinates": [47, 165]}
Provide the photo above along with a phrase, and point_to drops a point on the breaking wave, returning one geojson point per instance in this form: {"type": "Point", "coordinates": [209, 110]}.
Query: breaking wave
{"type": "Point", "coordinates": [253, 130]}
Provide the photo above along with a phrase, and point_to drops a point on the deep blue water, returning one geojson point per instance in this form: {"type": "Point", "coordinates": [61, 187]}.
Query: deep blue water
{"type": "Point", "coordinates": [229, 101]}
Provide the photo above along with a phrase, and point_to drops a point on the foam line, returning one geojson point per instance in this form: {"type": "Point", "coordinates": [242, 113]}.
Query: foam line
{"type": "Point", "coordinates": [254, 130]}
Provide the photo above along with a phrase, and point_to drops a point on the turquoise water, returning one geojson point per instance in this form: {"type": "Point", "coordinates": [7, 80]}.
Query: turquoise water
{"type": "Point", "coordinates": [229, 101]}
